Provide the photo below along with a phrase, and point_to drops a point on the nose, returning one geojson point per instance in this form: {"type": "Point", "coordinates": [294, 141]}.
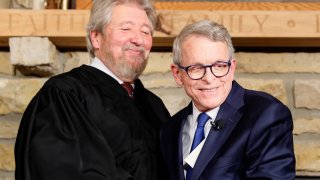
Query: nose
{"type": "Point", "coordinates": [208, 76]}
{"type": "Point", "coordinates": [137, 38]}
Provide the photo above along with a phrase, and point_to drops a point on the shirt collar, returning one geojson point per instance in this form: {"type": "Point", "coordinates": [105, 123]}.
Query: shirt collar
{"type": "Point", "coordinates": [212, 113]}
{"type": "Point", "coordinates": [97, 63]}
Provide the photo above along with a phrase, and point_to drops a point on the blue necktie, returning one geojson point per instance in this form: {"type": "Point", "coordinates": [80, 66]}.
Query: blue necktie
{"type": "Point", "coordinates": [198, 137]}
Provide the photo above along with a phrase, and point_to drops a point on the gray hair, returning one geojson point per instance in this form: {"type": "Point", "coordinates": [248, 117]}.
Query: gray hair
{"type": "Point", "coordinates": [101, 12]}
{"type": "Point", "coordinates": [206, 28]}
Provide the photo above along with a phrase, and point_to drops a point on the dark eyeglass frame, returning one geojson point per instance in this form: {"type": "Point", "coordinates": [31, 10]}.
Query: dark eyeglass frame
{"type": "Point", "coordinates": [186, 68]}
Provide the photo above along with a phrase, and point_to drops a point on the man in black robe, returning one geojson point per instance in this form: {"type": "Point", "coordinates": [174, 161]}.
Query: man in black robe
{"type": "Point", "coordinates": [83, 124]}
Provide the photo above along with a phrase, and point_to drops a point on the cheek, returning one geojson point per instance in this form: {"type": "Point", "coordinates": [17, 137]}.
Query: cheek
{"type": "Point", "coordinates": [148, 43]}
{"type": "Point", "coordinates": [226, 88]}
{"type": "Point", "coordinates": [117, 39]}
{"type": "Point", "coordinates": [115, 46]}
{"type": "Point", "coordinates": [189, 88]}
{"type": "Point", "coordinates": [117, 42]}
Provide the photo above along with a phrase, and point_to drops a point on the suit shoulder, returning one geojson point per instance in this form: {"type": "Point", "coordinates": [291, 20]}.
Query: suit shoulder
{"type": "Point", "coordinates": [156, 100]}
{"type": "Point", "coordinates": [147, 94]}
{"type": "Point", "coordinates": [177, 118]}
{"type": "Point", "coordinates": [77, 79]}
{"type": "Point", "coordinates": [64, 78]}
{"type": "Point", "coordinates": [152, 96]}
{"type": "Point", "coordinates": [264, 104]}
{"type": "Point", "coordinates": [252, 96]}
{"type": "Point", "coordinates": [180, 114]}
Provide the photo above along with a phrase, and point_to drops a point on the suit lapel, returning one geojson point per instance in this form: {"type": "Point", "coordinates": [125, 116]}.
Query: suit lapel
{"type": "Point", "coordinates": [178, 158]}
{"type": "Point", "coordinates": [229, 115]}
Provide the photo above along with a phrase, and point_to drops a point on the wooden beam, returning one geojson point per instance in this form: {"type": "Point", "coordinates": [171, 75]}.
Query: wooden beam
{"type": "Point", "coordinates": [251, 24]}
{"type": "Point", "coordinates": [247, 6]}
{"type": "Point", "coordinates": [83, 4]}
{"type": "Point", "coordinates": [52, 23]}
{"type": "Point", "coordinates": [290, 28]}
{"type": "Point", "coordinates": [239, 6]}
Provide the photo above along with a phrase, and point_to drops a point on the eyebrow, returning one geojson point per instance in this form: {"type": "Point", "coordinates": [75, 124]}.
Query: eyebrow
{"type": "Point", "coordinates": [131, 23]}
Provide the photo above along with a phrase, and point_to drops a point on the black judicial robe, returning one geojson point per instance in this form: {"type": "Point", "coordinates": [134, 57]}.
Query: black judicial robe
{"type": "Point", "coordinates": [83, 125]}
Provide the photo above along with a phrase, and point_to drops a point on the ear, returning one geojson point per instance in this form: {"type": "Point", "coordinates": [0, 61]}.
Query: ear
{"type": "Point", "coordinates": [95, 38]}
{"type": "Point", "coordinates": [233, 65]}
{"type": "Point", "coordinates": [176, 74]}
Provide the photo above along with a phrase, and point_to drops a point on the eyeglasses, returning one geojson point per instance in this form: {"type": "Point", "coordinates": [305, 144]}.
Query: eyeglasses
{"type": "Point", "coordinates": [197, 71]}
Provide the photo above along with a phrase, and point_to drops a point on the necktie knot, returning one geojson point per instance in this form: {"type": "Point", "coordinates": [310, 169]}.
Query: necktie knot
{"type": "Point", "coordinates": [127, 86]}
{"type": "Point", "coordinates": [202, 119]}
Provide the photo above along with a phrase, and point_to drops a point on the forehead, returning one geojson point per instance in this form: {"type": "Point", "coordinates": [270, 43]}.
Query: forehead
{"type": "Point", "coordinates": [202, 48]}
{"type": "Point", "coordinates": [131, 13]}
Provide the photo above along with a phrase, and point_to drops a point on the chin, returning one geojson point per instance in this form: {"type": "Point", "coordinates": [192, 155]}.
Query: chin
{"type": "Point", "coordinates": [213, 103]}
{"type": "Point", "coordinates": [205, 106]}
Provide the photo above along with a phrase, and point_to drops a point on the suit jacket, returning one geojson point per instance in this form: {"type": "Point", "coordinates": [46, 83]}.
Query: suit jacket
{"type": "Point", "coordinates": [255, 141]}
{"type": "Point", "coordinates": [83, 125]}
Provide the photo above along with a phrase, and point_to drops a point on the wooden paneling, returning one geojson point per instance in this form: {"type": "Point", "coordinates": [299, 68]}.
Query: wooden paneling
{"type": "Point", "coordinates": [273, 6]}
{"type": "Point", "coordinates": [83, 4]}
{"type": "Point", "coordinates": [243, 6]}
{"type": "Point", "coordinates": [283, 24]}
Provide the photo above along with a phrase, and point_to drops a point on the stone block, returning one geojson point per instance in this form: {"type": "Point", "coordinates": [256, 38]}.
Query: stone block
{"type": "Point", "coordinates": [35, 56]}
{"type": "Point", "coordinates": [6, 66]}
{"type": "Point", "coordinates": [15, 94]}
{"type": "Point", "coordinates": [7, 176]}
{"type": "Point", "coordinates": [7, 157]}
{"type": "Point", "coordinates": [174, 98]}
{"type": "Point", "coordinates": [307, 93]}
{"type": "Point", "coordinates": [275, 87]}
{"type": "Point", "coordinates": [158, 63]}
{"type": "Point", "coordinates": [307, 157]}
{"type": "Point", "coordinates": [75, 59]}
{"type": "Point", "coordinates": [158, 80]}
{"type": "Point", "coordinates": [9, 126]}
{"type": "Point", "coordinates": [278, 62]}
{"type": "Point", "coordinates": [25, 3]}
{"type": "Point", "coordinates": [31, 51]}
{"type": "Point", "coordinates": [5, 4]}
{"type": "Point", "coordinates": [304, 125]}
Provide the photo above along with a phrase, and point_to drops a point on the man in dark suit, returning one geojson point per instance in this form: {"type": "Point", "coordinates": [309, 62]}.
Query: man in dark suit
{"type": "Point", "coordinates": [83, 124]}
{"type": "Point", "coordinates": [226, 132]}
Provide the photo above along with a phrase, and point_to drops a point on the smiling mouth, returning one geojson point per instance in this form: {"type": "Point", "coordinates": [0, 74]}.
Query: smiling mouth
{"type": "Point", "coordinates": [209, 89]}
{"type": "Point", "coordinates": [137, 52]}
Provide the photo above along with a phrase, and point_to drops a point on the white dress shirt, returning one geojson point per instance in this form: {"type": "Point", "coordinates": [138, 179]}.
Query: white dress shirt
{"type": "Point", "coordinates": [96, 63]}
{"type": "Point", "coordinates": [190, 127]}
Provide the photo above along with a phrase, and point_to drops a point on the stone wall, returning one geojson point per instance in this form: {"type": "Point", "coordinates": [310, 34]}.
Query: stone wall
{"type": "Point", "coordinates": [294, 78]}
